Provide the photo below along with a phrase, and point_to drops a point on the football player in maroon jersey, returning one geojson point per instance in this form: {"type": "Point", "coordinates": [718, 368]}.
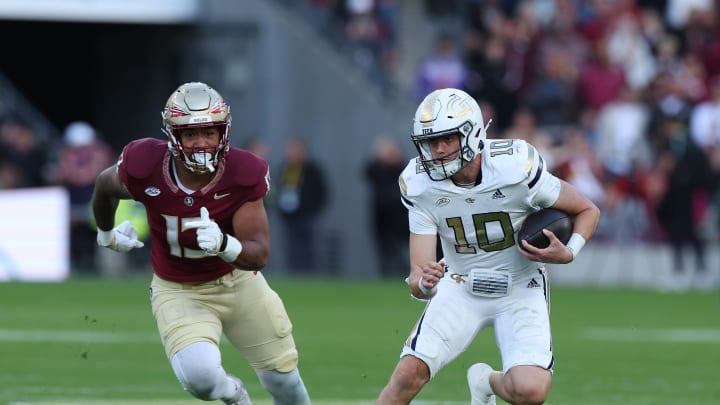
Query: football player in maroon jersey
{"type": "Point", "coordinates": [210, 237]}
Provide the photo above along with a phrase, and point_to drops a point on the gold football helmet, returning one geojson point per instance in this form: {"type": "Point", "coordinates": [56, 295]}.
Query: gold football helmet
{"type": "Point", "coordinates": [197, 105]}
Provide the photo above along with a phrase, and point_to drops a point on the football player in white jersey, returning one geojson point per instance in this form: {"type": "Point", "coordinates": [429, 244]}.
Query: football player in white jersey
{"type": "Point", "coordinates": [474, 194]}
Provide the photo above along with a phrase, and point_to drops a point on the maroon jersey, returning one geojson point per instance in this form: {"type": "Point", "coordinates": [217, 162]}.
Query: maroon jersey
{"type": "Point", "coordinates": [145, 169]}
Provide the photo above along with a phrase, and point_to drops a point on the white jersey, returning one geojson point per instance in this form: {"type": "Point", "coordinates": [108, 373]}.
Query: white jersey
{"type": "Point", "coordinates": [478, 226]}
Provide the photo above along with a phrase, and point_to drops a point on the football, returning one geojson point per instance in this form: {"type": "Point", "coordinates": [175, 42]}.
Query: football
{"type": "Point", "coordinates": [548, 218]}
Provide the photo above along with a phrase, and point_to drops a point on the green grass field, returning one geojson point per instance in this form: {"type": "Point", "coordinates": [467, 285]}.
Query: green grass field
{"type": "Point", "coordinates": [91, 341]}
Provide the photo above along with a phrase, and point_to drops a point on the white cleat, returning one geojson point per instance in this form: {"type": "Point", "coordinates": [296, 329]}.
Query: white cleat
{"type": "Point", "coordinates": [241, 396]}
{"type": "Point", "coordinates": [478, 377]}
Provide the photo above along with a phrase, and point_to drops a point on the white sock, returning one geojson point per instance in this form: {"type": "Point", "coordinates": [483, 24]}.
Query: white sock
{"type": "Point", "coordinates": [285, 388]}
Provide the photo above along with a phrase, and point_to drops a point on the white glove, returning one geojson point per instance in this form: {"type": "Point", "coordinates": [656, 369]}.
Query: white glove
{"type": "Point", "coordinates": [123, 238]}
{"type": "Point", "coordinates": [213, 240]}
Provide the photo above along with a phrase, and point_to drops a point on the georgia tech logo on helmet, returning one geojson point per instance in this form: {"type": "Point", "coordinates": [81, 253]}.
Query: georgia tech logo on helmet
{"type": "Point", "coordinates": [458, 107]}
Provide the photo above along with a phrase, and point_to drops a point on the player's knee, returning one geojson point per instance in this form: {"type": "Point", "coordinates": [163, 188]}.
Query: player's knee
{"type": "Point", "coordinates": [203, 386]}
{"type": "Point", "coordinates": [198, 369]}
{"type": "Point", "coordinates": [411, 374]}
{"type": "Point", "coordinates": [285, 388]}
{"type": "Point", "coordinates": [529, 392]}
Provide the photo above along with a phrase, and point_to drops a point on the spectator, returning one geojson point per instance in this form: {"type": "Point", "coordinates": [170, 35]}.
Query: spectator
{"type": "Point", "coordinates": [621, 131]}
{"type": "Point", "coordinates": [366, 32]}
{"type": "Point", "coordinates": [600, 80]}
{"type": "Point", "coordinates": [552, 94]}
{"type": "Point", "coordinates": [389, 216]}
{"type": "Point", "coordinates": [492, 79]}
{"type": "Point", "coordinates": [667, 55]}
{"type": "Point", "coordinates": [442, 69]}
{"type": "Point", "coordinates": [705, 131]}
{"type": "Point", "coordinates": [256, 145]}
{"type": "Point", "coordinates": [82, 157]}
{"type": "Point", "coordinates": [578, 165]}
{"type": "Point", "coordinates": [560, 39]}
{"type": "Point", "coordinates": [19, 147]}
{"type": "Point", "coordinates": [627, 47]}
{"type": "Point", "coordinates": [9, 175]}
{"type": "Point", "coordinates": [687, 172]}
{"type": "Point", "coordinates": [625, 218]}
{"type": "Point", "coordinates": [301, 197]}
{"type": "Point", "coordinates": [524, 127]}
{"type": "Point", "coordinates": [678, 12]}
{"type": "Point", "coordinates": [705, 124]}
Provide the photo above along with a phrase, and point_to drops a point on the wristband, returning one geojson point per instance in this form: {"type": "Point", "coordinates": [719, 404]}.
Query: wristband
{"type": "Point", "coordinates": [575, 243]}
{"type": "Point", "coordinates": [105, 238]}
{"type": "Point", "coordinates": [231, 248]}
{"type": "Point", "coordinates": [223, 243]}
{"type": "Point", "coordinates": [429, 292]}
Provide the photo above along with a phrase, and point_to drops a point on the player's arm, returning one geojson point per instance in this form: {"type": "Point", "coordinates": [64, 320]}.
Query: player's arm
{"type": "Point", "coordinates": [585, 219]}
{"type": "Point", "coordinates": [586, 214]}
{"type": "Point", "coordinates": [247, 247]}
{"type": "Point", "coordinates": [251, 227]}
{"type": "Point", "coordinates": [425, 271]}
{"type": "Point", "coordinates": [109, 190]}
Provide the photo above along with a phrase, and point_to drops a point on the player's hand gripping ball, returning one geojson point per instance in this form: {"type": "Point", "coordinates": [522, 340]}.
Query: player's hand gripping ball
{"type": "Point", "coordinates": [548, 218]}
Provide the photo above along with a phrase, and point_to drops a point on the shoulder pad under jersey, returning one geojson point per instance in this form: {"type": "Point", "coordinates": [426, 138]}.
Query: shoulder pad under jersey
{"type": "Point", "coordinates": [412, 182]}
{"type": "Point", "coordinates": [141, 157]}
{"type": "Point", "coordinates": [244, 168]}
{"type": "Point", "coordinates": [511, 161]}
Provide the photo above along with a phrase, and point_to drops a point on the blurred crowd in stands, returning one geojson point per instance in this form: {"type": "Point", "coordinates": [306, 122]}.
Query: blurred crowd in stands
{"type": "Point", "coordinates": [26, 161]}
{"type": "Point", "coordinates": [622, 97]}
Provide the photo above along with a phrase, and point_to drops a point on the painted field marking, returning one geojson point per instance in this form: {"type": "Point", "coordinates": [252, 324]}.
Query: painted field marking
{"type": "Point", "coordinates": [661, 335]}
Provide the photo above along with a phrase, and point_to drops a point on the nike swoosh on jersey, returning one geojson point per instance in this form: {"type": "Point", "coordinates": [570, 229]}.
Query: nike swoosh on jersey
{"type": "Point", "coordinates": [219, 196]}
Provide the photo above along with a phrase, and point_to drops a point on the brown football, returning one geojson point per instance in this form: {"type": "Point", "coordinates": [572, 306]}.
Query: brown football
{"type": "Point", "coordinates": [548, 218]}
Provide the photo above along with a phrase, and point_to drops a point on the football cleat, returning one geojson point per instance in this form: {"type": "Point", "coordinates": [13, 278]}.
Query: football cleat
{"type": "Point", "coordinates": [241, 397]}
{"type": "Point", "coordinates": [478, 377]}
